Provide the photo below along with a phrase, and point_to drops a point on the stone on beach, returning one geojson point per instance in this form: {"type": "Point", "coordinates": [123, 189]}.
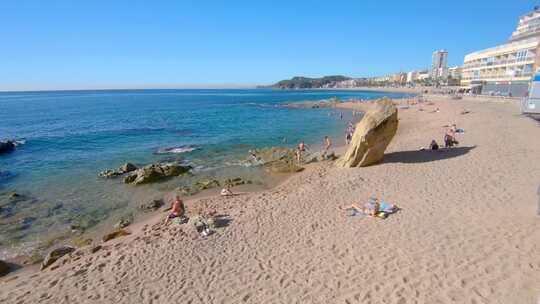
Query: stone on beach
{"type": "Point", "coordinates": [115, 234]}
{"type": "Point", "coordinates": [373, 134]}
{"type": "Point", "coordinates": [4, 268]}
{"type": "Point", "coordinates": [55, 254]}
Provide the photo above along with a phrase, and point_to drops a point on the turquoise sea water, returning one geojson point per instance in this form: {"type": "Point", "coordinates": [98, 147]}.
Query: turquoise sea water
{"type": "Point", "coordinates": [70, 136]}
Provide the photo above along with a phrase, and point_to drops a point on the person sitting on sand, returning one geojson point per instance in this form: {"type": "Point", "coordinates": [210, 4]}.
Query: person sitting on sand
{"type": "Point", "coordinates": [227, 191]}
{"type": "Point", "coordinates": [177, 209]}
{"type": "Point", "coordinates": [434, 145]}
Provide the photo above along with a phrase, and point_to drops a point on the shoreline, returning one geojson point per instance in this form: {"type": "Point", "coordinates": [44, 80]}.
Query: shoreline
{"type": "Point", "coordinates": [453, 240]}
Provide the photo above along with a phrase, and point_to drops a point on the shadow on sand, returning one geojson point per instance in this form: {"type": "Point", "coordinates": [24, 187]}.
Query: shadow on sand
{"type": "Point", "coordinates": [424, 156]}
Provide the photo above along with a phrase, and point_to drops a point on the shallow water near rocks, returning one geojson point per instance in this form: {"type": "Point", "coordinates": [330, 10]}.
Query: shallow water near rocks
{"type": "Point", "coordinates": [69, 136]}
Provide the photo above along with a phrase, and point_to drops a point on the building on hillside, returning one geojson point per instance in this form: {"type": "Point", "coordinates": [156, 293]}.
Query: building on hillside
{"type": "Point", "coordinates": [506, 69]}
{"type": "Point", "coordinates": [439, 64]}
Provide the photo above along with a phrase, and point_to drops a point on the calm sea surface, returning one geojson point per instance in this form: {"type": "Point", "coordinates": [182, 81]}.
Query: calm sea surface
{"type": "Point", "coordinates": [68, 137]}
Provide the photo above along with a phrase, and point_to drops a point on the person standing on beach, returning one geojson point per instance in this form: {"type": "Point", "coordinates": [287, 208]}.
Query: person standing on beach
{"type": "Point", "coordinates": [300, 150]}
{"type": "Point", "coordinates": [327, 145]}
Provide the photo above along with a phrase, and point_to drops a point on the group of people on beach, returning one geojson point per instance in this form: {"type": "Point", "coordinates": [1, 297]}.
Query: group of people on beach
{"type": "Point", "coordinates": [449, 138]}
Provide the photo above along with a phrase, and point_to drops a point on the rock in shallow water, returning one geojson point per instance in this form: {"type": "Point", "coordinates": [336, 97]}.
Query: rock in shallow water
{"type": "Point", "coordinates": [55, 254]}
{"type": "Point", "coordinates": [126, 168]}
{"type": "Point", "coordinates": [7, 146]}
{"type": "Point", "coordinates": [155, 173]}
{"type": "Point", "coordinates": [373, 134]}
{"type": "Point", "coordinates": [152, 205]}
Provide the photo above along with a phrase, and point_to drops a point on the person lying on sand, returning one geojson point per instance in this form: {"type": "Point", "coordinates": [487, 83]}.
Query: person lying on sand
{"type": "Point", "coordinates": [371, 208]}
{"type": "Point", "coordinates": [177, 209]}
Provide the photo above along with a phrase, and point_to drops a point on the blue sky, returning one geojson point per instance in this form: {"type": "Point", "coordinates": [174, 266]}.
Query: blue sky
{"type": "Point", "coordinates": [109, 44]}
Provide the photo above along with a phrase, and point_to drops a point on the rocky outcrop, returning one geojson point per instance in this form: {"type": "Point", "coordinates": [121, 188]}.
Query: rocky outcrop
{"type": "Point", "coordinates": [276, 159]}
{"type": "Point", "coordinates": [126, 168]}
{"type": "Point", "coordinates": [373, 134]}
{"type": "Point", "coordinates": [155, 173]}
{"type": "Point", "coordinates": [7, 146]}
{"type": "Point", "coordinates": [55, 254]}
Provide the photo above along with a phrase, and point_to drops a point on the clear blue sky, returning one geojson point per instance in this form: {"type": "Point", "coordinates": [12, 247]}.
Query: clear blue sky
{"type": "Point", "coordinates": [90, 44]}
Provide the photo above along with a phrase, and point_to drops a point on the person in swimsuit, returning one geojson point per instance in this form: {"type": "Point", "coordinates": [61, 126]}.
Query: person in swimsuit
{"type": "Point", "coordinates": [177, 209]}
{"type": "Point", "coordinates": [327, 144]}
{"type": "Point", "coordinates": [302, 147]}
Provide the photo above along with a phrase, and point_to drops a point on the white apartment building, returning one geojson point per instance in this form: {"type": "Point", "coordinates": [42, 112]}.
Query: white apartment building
{"type": "Point", "coordinates": [454, 72]}
{"type": "Point", "coordinates": [508, 68]}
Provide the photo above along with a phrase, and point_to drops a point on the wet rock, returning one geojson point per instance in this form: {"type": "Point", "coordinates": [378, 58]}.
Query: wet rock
{"type": "Point", "coordinates": [110, 173]}
{"type": "Point", "coordinates": [372, 135]}
{"type": "Point", "coordinates": [205, 184]}
{"type": "Point", "coordinates": [155, 173]}
{"type": "Point", "coordinates": [96, 249]}
{"type": "Point", "coordinates": [124, 221]}
{"type": "Point", "coordinates": [4, 268]}
{"type": "Point", "coordinates": [152, 205]}
{"type": "Point", "coordinates": [237, 181]}
{"type": "Point", "coordinates": [81, 242]}
{"type": "Point", "coordinates": [7, 146]}
{"type": "Point", "coordinates": [55, 254]}
{"type": "Point", "coordinates": [276, 159]}
{"type": "Point", "coordinates": [130, 178]}
{"type": "Point", "coordinates": [115, 234]}
{"type": "Point", "coordinates": [186, 191]}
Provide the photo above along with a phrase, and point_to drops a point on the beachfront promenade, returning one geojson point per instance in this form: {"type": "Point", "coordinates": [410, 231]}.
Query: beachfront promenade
{"type": "Point", "coordinates": [467, 231]}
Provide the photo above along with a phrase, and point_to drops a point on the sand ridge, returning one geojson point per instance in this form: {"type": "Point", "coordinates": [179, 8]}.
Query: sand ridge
{"type": "Point", "coordinates": [467, 231]}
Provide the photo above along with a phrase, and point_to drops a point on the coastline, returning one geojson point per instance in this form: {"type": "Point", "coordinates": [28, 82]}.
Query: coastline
{"type": "Point", "coordinates": [291, 241]}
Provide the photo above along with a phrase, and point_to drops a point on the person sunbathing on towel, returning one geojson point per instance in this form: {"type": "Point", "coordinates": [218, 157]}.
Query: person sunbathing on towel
{"type": "Point", "coordinates": [371, 208]}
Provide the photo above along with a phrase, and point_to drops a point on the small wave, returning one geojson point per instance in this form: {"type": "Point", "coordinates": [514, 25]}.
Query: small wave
{"type": "Point", "coordinates": [19, 142]}
{"type": "Point", "coordinates": [177, 150]}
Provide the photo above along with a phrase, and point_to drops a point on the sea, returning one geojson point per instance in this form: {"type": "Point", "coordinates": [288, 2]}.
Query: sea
{"type": "Point", "coordinates": [66, 137]}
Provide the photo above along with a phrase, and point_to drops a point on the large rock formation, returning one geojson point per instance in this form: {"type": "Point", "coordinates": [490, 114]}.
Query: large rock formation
{"type": "Point", "coordinates": [276, 159]}
{"type": "Point", "coordinates": [373, 134]}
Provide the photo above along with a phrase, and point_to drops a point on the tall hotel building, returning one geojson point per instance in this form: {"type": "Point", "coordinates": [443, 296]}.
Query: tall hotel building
{"type": "Point", "coordinates": [439, 64]}
{"type": "Point", "coordinates": [508, 68]}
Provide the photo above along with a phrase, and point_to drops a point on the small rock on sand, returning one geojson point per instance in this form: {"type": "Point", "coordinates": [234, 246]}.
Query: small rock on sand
{"type": "Point", "coordinates": [55, 254]}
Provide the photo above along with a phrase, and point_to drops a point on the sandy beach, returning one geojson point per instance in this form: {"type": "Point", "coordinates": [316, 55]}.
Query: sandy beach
{"type": "Point", "coordinates": [467, 231]}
